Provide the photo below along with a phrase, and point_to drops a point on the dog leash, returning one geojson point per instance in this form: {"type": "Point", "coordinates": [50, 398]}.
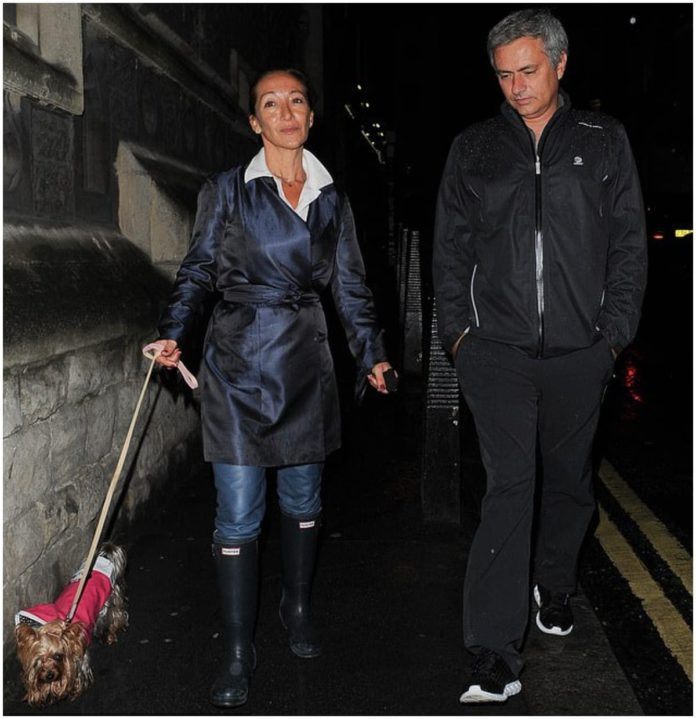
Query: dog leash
{"type": "Point", "coordinates": [150, 351]}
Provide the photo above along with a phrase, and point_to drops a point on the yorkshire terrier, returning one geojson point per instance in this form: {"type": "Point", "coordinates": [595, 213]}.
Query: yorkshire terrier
{"type": "Point", "coordinates": [54, 653]}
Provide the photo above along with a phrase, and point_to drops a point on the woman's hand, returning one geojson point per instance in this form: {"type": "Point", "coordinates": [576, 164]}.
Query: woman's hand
{"type": "Point", "coordinates": [376, 377]}
{"type": "Point", "coordinates": [170, 355]}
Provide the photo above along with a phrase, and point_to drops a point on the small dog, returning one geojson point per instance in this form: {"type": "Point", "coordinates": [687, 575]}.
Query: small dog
{"type": "Point", "coordinates": [53, 653]}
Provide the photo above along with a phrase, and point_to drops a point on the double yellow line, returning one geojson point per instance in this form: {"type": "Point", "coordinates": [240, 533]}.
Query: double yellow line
{"type": "Point", "coordinates": [672, 628]}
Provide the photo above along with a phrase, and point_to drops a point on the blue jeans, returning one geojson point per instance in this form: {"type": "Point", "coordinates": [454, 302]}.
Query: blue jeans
{"type": "Point", "coordinates": [241, 498]}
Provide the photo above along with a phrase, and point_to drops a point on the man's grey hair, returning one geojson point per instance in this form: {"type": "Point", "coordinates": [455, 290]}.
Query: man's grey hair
{"type": "Point", "coordinates": [530, 23]}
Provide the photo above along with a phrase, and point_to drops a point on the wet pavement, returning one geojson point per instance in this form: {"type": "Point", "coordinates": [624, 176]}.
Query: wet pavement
{"type": "Point", "coordinates": [387, 594]}
{"type": "Point", "coordinates": [646, 432]}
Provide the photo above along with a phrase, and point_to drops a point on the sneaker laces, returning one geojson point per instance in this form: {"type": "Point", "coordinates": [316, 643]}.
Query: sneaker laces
{"type": "Point", "coordinates": [558, 601]}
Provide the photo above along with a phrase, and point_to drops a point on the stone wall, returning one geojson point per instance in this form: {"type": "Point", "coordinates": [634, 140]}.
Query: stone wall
{"type": "Point", "coordinates": [79, 304]}
{"type": "Point", "coordinates": [113, 115]}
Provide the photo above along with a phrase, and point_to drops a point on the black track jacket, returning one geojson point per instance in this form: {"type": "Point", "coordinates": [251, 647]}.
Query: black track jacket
{"type": "Point", "coordinates": [540, 248]}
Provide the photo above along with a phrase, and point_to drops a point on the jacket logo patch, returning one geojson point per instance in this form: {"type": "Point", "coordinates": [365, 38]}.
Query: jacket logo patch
{"type": "Point", "coordinates": [230, 551]}
{"type": "Point", "coordinates": [577, 160]}
{"type": "Point", "coordinates": [307, 525]}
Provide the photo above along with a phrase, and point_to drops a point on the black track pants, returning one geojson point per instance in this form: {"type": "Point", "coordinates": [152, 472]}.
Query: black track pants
{"type": "Point", "coordinates": [512, 397]}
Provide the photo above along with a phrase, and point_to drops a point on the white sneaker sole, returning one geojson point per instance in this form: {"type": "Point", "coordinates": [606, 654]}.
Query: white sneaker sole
{"type": "Point", "coordinates": [475, 695]}
{"type": "Point", "coordinates": [557, 631]}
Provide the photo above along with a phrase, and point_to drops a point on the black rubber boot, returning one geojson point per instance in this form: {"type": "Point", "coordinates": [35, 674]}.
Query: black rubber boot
{"type": "Point", "coordinates": [237, 572]}
{"type": "Point", "coordinates": [299, 540]}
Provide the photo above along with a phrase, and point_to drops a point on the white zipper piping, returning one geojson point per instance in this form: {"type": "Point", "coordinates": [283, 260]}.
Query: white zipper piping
{"type": "Point", "coordinates": [473, 300]}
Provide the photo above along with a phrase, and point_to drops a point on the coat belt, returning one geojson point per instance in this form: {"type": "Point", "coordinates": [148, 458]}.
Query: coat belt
{"type": "Point", "coordinates": [265, 295]}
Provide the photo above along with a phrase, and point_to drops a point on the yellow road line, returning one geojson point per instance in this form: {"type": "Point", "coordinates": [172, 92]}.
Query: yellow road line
{"type": "Point", "coordinates": [671, 551]}
{"type": "Point", "coordinates": [669, 623]}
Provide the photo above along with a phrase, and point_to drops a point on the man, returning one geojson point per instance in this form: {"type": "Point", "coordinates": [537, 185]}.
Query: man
{"type": "Point", "coordinates": [539, 267]}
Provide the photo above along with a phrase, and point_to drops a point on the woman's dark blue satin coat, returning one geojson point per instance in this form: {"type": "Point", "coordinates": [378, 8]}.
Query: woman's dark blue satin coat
{"type": "Point", "coordinates": [268, 389]}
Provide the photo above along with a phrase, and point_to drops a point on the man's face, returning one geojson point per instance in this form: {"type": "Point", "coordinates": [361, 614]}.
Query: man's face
{"type": "Point", "coordinates": [527, 78]}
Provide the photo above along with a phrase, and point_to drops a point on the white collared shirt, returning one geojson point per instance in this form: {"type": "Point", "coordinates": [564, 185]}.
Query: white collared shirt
{"type": "Point", "coordinates": [317, 177]}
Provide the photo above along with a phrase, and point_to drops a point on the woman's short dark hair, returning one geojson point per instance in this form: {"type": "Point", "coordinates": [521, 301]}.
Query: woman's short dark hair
{"type": "Point", "coordinates": [297, 74]}
{"type": "Point", "coordinates": [533, 22]}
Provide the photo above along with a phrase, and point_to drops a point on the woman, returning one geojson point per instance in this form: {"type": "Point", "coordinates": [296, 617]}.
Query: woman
{"type": "Point", "coordinates": [270, 237]}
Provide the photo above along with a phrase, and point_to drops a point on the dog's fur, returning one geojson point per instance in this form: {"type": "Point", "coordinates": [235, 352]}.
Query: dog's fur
{"type": "Point", "coordinates": [54, 656]}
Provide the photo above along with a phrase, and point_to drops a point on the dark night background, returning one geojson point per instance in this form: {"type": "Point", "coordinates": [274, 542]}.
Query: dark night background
{"type": "Point", "coordinates": [425, 71]}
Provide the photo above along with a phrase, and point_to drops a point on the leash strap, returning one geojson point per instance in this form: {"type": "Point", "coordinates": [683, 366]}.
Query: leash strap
{"type": "Point", "coordinates": [151, 351]}
{"type": "Point", "coordinates": [154, 348]}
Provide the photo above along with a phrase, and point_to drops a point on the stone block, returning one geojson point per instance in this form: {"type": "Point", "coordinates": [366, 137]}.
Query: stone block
{"type": "Point", "coordinates": [72, 555]}
{"type": "Point", "coordinates": [109, 461]}
{"type": "Point", "coordinates": [68, 434]}
{"type": "Point", "coordinates": [135, 365]}
{"type": "Point", "coordinates": [91, 369]}
{"type": "Point", "coordinates": [100, 416]}
{"type": "Point", "coordinates": [13, 501]}
{"type": "Point", "coordinates": [150, 452]}
{"type": "Point", "coordinates": [170, 227]}
{"type": "Point", "coordinates": [151, 399]}
{"type": "Point", "coordinates": [126, 399]}
{"type": "Point", "coordinates": [42, 389]}
{"type": "Point", "coordinates": [118, 351]}
{"type": "Point", "coordinates": [12, 414]}
{"type": "Point", "coordinates": [22, 590]}
{"type": "Point", "coordinates": [23, 540]}
{"type": "Point", "coordinates": [56, 515]}
{"type": "Point", "coordinates": [60, 27]}
{"type": "Point", "coordinates": [9, 446]}
{"type": "Point", "coordinates": [53, 157]}
{"type": "Point", "coordinates": [135, 197]}
{"type": "Point", "coordinates": [71, 288]}
{"type": "Point", "coordinates": [41, 582]}
{"type": "Point", "coordinates": [138, 492]}
{"type": "Point", "coordinates": [27, 468]}
{"type": "Point", "coordinates": [148, 414]}
{"type": "Point", "coordinates": [91, 487]}
{"type": "Point", "coordinates": [126, 402]}
{"type": "Point", "coordinates": [170, 416]}
{"type": "Point", "coordinates": [11, 594]}
{"type": "Point", "coordinates": [84, 374]}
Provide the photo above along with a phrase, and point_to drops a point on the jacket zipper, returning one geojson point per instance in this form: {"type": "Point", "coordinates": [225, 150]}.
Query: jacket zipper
{"type": "Point", "coordinates": [538, 230]}
{"type": "Point", "coordinates": [538, 245]}
{"type": "Point", "coordinates": [539, 255]}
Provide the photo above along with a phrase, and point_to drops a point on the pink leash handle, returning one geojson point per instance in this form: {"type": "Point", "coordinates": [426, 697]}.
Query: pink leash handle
{"type": "Point", "coordinates": [154, 348]}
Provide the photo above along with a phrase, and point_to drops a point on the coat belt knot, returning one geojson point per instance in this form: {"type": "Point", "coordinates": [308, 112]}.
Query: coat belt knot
{"type": "Point", "coordinates": [291, 295]}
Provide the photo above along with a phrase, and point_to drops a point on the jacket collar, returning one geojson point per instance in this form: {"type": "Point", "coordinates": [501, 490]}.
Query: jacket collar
{"type": "Point", "coordinates": [514, 117]}
{"type": "Point", "coordinates": [317, 175]}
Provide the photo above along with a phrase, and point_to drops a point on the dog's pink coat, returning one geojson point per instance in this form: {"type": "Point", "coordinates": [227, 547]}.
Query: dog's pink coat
{"type": "Point", "coordinates": [97, 590]}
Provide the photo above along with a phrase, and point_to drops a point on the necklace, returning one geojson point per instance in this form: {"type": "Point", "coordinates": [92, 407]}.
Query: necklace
{"type": "Point", "coordinates": [290, 183]}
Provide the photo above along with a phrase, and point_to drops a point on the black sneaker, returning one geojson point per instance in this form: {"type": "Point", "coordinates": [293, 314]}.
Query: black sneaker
{"type": "Point", "coordinates": [491, 680]}
{"type": "Point", "coordinates": [555, 615]}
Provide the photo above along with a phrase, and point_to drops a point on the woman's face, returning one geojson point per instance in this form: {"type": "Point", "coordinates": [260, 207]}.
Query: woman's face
{"type": "Point", "coordinates": [282, 115]}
